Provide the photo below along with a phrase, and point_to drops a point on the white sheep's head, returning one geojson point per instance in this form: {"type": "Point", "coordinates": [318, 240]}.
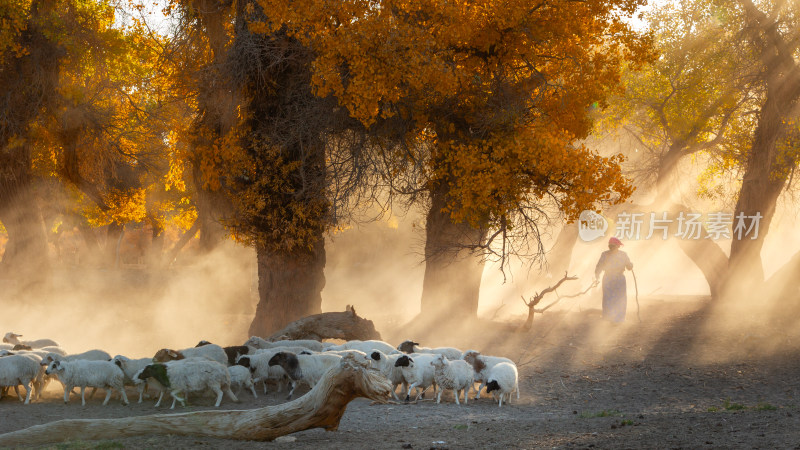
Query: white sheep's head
{"type": "Point", "coordinates": [404, 361]}
{"type": "Point", "coordinates": [440, 361]}
{"type": "Point", "coordinates": [11, 338]}
{"type": "Point", "coordinates": [54, 366]}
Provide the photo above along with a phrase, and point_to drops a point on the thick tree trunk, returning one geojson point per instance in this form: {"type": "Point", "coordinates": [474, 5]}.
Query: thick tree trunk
{"type": "Point", "coordinates": [453, 270]}
{"type": "Point", "coordinates": [322, 407]}
{"type": "Point", "coordinates": [289, 287]}
{"type": "Point", "coordinates": [761, 187]}
{"type": "Point", "coordinates": [26, 256]}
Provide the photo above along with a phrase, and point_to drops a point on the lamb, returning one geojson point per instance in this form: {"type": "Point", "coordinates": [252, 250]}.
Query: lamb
{"type": "Point", "coordinates": [241, 378]}
{"type": "Point", "coordinates": [417, 372]}
{"type": "Point", "coordinates": [385, 365]}
{"type": "Point", "coordinates": [13, 338]}
{"type": "Point", "coordinates": [212, 352]}
{"type": "Point", "coordinates": [503, 378]}
{"type": "Point", "coordinates": [233, 352]}
{"type": "Point", "coordinates": [482, 364]}
{"type": "Point", "coordinates": [21, 369]}
{"type": "Point", "coordinates": [190, 374]}
{"type": "Point", "coordinates": [310, 344]}
{"type": "Point", "coordinates": [409, 346]}
{"type": "Point", "coordinates": [306, 368]}
{"type": "Point", "coordinates": [130, 367]}
{"type": "Point", "coordinates": [83, 373]}
{"type": "Point", "coordinates": [365, 346]}
{"type": "Point", "coordinates": [456, 375]}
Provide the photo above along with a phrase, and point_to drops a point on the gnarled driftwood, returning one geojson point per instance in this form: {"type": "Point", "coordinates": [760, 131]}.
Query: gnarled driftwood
{"type": "Point", "coordinates": [322, 407]}
{"type": "Point", "coordinates": [345, 325]}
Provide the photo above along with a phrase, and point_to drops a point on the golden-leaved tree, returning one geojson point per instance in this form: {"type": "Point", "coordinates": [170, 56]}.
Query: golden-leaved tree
{"type": "Point", "coordinates": [77, 109]}
{"type": "Point", "coordinates": [488, 99]}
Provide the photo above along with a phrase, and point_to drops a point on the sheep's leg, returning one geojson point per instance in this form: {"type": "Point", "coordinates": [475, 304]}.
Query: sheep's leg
{"type": "Point", "coordinates": [175, 397]}
{"type": "Point", "coordinates": [67, 390]}
{"type": "Point", "coordinates": [394, 391]}
{"type": "Point", "coordinates": [480, 388]}
{"type": "Point", "coordinates": [28, 390]}
{"type": "Point", "coordinates": [121, 389]}
{"type": "Point", "coordinates": [140, 388]}
{"type": "Point", "coordinates": [217, 391]}
{"type": "Point", "coordinates": [229, 393]}
{"type": "Point", "coordinates": [160, 396]}
{"type": "Point", "coordinates": [252, 388]}
{"type": "Point", "coordinates": [455, 394]}
{"type": "Point", "coordinates": [408, 392]}
{"type": "Point", "coordinates": [91, 394]}
{"type": "Point", "coordinates": [439, 398]}
{"type": "Point", "coordinates": [16, 389]}
{"type": "Point", "coordinates": [466, 391]}
{"type": "Point", "coordinates": [83, 398]}
{"type": "Point", "coordinates": [422, 394]}
{"type": "Point", "coordinates": [516, 388]}
{"type": "Point", "coordinates": [501, 400]}
{"type": "Point", "coordinates": [291, 390]}
{"type": "Point", "coordinates": [108, 395]}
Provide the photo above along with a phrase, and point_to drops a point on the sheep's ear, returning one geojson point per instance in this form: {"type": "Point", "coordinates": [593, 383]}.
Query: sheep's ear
{"type": "Point", "coordinates": [173, 353]}
{"type": "Point", "coordinates": [414, 343]}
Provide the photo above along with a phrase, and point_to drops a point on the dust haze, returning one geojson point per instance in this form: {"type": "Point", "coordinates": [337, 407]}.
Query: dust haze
{"type": "Point", "coordinates": [378, 267]}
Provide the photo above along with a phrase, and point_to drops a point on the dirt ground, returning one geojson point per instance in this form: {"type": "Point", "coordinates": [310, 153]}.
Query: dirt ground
{"type": "Point", "coordinates": [584, 384]}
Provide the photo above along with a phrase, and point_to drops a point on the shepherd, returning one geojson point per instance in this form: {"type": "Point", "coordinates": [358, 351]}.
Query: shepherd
{"type": "Point", "coordinates": [615, 291]}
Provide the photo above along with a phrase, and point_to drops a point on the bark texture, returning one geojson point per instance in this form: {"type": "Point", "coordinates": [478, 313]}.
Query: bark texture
{"type": "Point", "coordinates": [322, 407]}
{"type": "Point", "coordinates": [289, 287]}
{"type": "Point", "coordinates": [453, 270]}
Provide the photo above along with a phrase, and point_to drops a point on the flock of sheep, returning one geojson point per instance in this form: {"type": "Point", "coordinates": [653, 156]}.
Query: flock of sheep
{"type": "Point", "coordinates": [209, 367]}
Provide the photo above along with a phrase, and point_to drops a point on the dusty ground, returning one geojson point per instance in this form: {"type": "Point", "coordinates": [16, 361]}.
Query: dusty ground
{"type": "Point", "coordinates": [655, 384]}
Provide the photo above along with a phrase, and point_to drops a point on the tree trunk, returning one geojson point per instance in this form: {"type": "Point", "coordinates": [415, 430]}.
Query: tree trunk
{"type": "Point", "coordinates": [322, 407]}
{"type": "Point", "coordinates": [114, 234]}
{"type": "Point", "coordinates": [289, 287]}
{"type": "Point", "coordinates": [761, 187]}
{"type": "Point", "coordinates": [453, 271]}
{"type": "Point", "coordinates": [26, 256]}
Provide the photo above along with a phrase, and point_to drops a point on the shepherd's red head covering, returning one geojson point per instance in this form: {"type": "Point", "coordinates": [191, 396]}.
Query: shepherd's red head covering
{"type": "Point", "coordinates": [615, 241]}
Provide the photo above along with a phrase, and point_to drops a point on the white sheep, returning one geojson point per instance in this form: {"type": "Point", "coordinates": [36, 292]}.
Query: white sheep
{"type": "Point", "coordinates": [482, 364]}
{"type": "Point", "coordinates": [417, 372]}
{"type": "Point", "coordinates": [21, 369]}
{"type": "Point", "coordinates": [241, 378]}
{"type": "Point", "coordinates": [130, 367]}
{"type": "Point", "coordinates": [56, 350]}
{"type": "Point", "coordinates": [308, 369]}
{"type": "Point", "coordinates": [13, 338]}
{"type": "Point", "coordinates": [310, 344]}
{"type": "Point", "coordinates": [5, 346]}
{"type": "Point", "coordinates": [409, 346]}
{"type": "Point", "coordinates": [83, 373]}
{"type": "Point", "coordinates": [89, 355]}
{"type": "Point", "coordinates": [385, 365]}
{"type": "Point", "coordinates": [365, 346]}
{"type": "Point", "coordinates": [503, 377]}
{"type": "Point", "coordinates": [190, 374]}
{"type": "Point", "coordinates": [258, 363]}
{"type": "Point", "coordinates": [456, 375]}
{"type": "Point", "coordinates": [212, 352]}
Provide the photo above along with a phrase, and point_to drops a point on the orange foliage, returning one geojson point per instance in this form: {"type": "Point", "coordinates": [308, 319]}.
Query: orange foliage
{"type": "Point", "coordinates": [502, 90]}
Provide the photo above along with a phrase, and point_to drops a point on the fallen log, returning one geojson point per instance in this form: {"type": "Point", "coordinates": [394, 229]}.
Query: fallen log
{"type": "Point", "coordinates": [346, 325]}
{"type": "Point", "coordinates": [322, 407]}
